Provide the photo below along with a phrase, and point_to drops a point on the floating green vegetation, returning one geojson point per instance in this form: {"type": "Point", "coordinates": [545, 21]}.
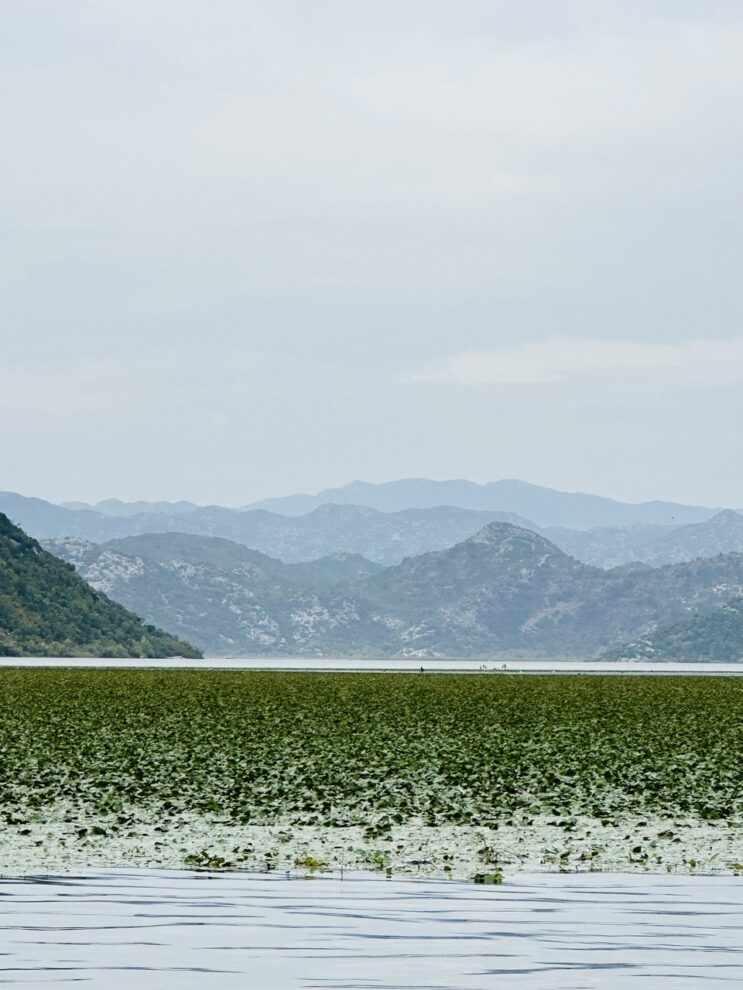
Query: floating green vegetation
{"type": "Point", "coordinates": [373, 750]}
{"type": "Point", "coordinates": [377, 859]}
{"type": "Point", "coordinates": [309, 862]}
{"type": "Point", "coordinates": [495, 877]}
{"type": "Point", "coordinates": [206, 861]}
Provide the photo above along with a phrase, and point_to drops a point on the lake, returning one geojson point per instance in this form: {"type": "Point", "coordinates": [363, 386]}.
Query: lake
{"type": "Point", "coordinates": [397, 664]}
{"type": "Point", "coordinates": [158, 929]}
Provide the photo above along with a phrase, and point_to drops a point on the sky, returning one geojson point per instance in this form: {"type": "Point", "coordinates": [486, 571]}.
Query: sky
{"type": "Point", "coordinates": [250, 248]}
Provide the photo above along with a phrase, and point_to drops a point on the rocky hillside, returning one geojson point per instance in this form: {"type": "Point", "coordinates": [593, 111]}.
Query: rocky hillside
{"type": "Point", "coordinates": [715, 635]}
{"type": "Point", "coordinates": [228, 599]}
{"type": "Point", "coordinates": [654, 545]}
{"type": "Point", "coordinates": [47, 609]}
{"type": "Point", "coordinates": [506, 591]}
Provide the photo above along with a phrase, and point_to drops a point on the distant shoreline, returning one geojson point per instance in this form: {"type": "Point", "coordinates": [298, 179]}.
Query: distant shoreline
{"type": "Point", "coordinates": [391, 665]}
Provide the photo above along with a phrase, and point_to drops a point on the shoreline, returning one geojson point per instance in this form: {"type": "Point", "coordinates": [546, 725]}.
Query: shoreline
{"type": "Point", "coordinates": [59, 841]}
{"type": "Point", "coordinates": [426, 665]}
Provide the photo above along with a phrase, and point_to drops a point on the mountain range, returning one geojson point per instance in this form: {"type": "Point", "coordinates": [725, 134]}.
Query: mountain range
{"type": "Point", "coordinates": [545, 506]}
{"type": "Point", "coordinates": [116, 507]}
{"type": "Point", "coordinates": [383, 537]}
{"type": "Point", "coordinates": [47, 609]}
{"type": "Point", "coordinates": [506, 591]}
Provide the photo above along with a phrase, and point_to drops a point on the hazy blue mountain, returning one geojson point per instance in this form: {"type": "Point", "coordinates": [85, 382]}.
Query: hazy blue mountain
{"type": "Point", "coordinates": [46, 609]}
{"type": "Point", "coordinates": [44, 520]}
{"type": "Point", "coordinates": [723, 533]}
{"type": "Point", "coordinates": [505, 591]}
{"type": "Point", "coordinates": [654, 545]}
{"type": "Point", "coordinates": [383, 537]}
{"type": "Point", "coordinates": [330, 529]}
{"type": "Point", "coordinates": [545, 506]}
{"type": "Point", "coordinates": [115, 507]}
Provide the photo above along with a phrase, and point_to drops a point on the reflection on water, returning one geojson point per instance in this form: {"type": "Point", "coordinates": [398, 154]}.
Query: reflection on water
{"type": "Point", "coordinates": [157, 929]}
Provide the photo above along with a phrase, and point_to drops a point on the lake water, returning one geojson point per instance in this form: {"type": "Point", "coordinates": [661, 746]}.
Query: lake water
{"type": "Point", "coordinates": [401, 664]}
{"type": "Point", "coordinates": [122, 929]}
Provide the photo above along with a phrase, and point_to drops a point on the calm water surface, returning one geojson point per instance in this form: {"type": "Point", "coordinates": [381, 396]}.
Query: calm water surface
{"type": "Point", "coordinates": [395, 664]}
{"type": "Point", "coordinates": [121, 929]}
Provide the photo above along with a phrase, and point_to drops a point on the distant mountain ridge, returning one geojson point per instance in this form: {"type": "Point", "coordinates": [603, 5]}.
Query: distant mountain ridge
{"type": "Point", "coordinates": [115, 507]}
{"type": "Point", "coordinates": [383, 537]}
{"type": "Point", "coordinates": [46, 609]}
{"type": "Point", "coordinates": [653, 545]}
{"type": "Point", "coordinates": [545, 506]}
{"type": "Point", "coordinates": [506, 591]}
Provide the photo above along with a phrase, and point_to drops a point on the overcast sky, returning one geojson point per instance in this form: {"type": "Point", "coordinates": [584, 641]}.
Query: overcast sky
{"type": "Point", "coordinates": [250, 248]}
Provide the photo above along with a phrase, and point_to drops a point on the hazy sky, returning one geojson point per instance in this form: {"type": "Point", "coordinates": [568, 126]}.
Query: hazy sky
{"type": "Point", "coordinates": [251, 248]}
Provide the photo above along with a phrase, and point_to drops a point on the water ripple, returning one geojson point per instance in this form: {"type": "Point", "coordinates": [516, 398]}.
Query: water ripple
{"type": "Point", "coordinates": [160, 929]}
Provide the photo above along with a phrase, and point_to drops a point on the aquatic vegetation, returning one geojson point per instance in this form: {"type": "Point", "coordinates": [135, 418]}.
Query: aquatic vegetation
{"type": "Point", "coordinates": [309, 862]}
{"type": "Point", "coordinates": [377, 859]}
{"type": "Point", "coordinates": [372, 750]}
{"type": "Point", "coordinates": [494, 877]}
{"type": "Point", "coordinates": [206, 861]}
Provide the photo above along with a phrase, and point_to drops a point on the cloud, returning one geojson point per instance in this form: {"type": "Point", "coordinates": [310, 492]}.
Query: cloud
{"type": "Point", "coordinates": [557, 358]}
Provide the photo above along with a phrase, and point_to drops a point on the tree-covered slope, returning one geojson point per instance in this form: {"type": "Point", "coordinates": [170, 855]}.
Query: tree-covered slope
{"type": "Point", "coordinates": [47, 609]}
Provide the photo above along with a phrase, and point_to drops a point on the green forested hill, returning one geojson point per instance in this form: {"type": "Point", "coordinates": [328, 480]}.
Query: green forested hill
{"type": "Point", "coordinates": [46, 609]}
